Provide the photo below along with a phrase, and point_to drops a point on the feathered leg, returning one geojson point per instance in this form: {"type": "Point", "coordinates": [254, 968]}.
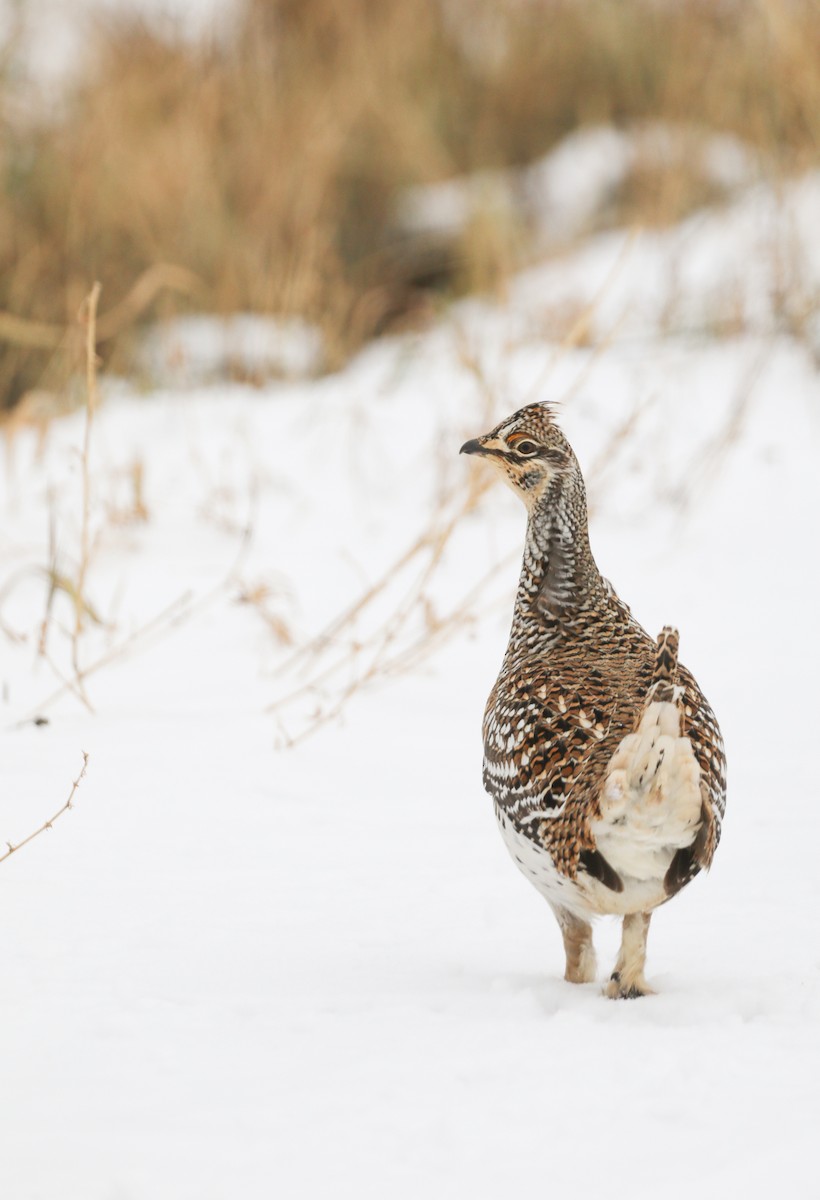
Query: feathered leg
{"type": "Point", "coordinates": [580, 952]}
{"type": "Point", "coordinates": [627, 980]}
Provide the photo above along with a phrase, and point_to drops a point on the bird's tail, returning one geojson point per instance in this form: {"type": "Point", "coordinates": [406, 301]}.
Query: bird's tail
{"type": "Point", "coordinates": [665, 674]}
{"type": "Point", "coordinates": [651, 802]}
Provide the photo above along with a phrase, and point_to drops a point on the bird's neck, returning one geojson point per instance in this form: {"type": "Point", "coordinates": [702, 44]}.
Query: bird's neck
{"type": "Point", "coordinates": [559, 577]}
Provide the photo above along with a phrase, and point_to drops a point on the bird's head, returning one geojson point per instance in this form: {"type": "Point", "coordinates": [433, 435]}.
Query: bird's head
{"type": "Point", "coordinates": [528, 449]}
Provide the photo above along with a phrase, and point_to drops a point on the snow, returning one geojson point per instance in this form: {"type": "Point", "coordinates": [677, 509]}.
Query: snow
{"type": "Point", "coordinates": [183, 351]}
{"type": "Point", "coordinates": [753, 267]}
{"type": "Point", "coordinates": [566, 192]}
{"type": "Point", "coordinates": [238, 969]}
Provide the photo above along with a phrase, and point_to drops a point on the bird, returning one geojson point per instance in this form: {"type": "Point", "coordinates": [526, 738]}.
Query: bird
{"type": "Point", "coordinates": [603, 758]}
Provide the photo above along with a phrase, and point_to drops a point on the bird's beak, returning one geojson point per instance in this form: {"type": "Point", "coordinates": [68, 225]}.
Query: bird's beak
{"type": "Point", "coordinates": [474, 446]}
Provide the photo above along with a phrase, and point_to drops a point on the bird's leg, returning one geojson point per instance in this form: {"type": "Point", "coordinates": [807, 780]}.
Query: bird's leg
{"type": "Point", "coordinates": [580, 952]}
{"type": "Point", "coordinates": [627, 980]}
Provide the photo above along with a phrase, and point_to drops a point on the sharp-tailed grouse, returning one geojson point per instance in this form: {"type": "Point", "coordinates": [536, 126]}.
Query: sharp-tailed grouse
{"type": "Point", "coordinates": [604, 760]}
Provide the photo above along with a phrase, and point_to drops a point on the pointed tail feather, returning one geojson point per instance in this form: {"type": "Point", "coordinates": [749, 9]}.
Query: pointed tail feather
{"type": "Point", "coordinates": [665, 675]}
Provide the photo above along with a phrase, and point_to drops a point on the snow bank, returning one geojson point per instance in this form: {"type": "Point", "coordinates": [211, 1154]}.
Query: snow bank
{"type": "Point", "coordinates": [185, 351]}
{"type": "Point", "coordinates": [571, 188]}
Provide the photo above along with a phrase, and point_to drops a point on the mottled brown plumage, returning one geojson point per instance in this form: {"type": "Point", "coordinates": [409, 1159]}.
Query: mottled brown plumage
{"type": "Point", "coordinates": [602, 756]}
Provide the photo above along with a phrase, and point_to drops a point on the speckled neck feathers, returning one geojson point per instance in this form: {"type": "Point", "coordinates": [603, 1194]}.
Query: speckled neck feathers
{"type": "Point", "coordinates": [559, 579]}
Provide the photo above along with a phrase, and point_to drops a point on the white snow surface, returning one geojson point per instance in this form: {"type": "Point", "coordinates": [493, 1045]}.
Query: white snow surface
{"type": "Point", "coordinates": [183, 351]}
{"type": "Point", "coordinates": [561, 195]}
{"type": "Point", "coordinates": [241, 970]}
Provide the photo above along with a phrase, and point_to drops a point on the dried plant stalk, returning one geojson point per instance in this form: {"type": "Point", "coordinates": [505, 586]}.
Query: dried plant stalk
{"type": "Point", "coordinates": [333, 673]}
{"type": "Point", "coordinates": [80, 607]}
{"type": "Point", "coordinates": [12, 849]}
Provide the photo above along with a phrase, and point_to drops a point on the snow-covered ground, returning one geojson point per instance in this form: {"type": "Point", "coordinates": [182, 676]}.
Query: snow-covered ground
{"type": "Point", "coordinates": [572, 187]}
{"type": "Point", "coordinates": [238, 969]}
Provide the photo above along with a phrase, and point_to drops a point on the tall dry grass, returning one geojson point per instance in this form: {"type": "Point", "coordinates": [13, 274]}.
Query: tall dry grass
{"type": "Point", "coordinates": [260, 172]}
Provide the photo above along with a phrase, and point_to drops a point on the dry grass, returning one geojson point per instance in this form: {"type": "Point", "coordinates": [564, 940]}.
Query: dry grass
{"type": "Point", "coordinates": [260, 173]}
{"type": "Point", "coordinates": [72, 660]}
{"type": "Point", "coordinates": [397, 622]}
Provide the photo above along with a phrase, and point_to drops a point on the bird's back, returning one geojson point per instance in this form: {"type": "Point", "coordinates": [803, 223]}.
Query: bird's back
{"type": "Point", "coordinates": [570, 694]}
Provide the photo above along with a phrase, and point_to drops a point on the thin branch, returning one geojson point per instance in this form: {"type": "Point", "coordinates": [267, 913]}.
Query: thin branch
{"type": "Point", "coordinates": [47, 824]}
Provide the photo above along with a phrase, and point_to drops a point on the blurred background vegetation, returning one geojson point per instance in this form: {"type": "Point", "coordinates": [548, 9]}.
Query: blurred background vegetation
{"type": "Point", "coordinates": [260, 171]}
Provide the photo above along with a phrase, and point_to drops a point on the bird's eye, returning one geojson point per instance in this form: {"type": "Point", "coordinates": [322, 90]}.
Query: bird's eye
{"type": "Point", "coordinates": [527, 449]}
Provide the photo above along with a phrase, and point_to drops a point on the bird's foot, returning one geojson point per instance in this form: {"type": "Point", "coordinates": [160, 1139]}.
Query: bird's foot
{"type": "Point", "coordinates": [621, 987]}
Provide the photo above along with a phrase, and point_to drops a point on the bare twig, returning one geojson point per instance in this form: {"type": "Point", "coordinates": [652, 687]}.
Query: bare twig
{"type": "Point", "coordinates": [12, 849]}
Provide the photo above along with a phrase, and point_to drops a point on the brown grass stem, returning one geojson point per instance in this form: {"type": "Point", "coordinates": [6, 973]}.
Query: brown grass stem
{"type": "Point", "coordinates": [89, 316]}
